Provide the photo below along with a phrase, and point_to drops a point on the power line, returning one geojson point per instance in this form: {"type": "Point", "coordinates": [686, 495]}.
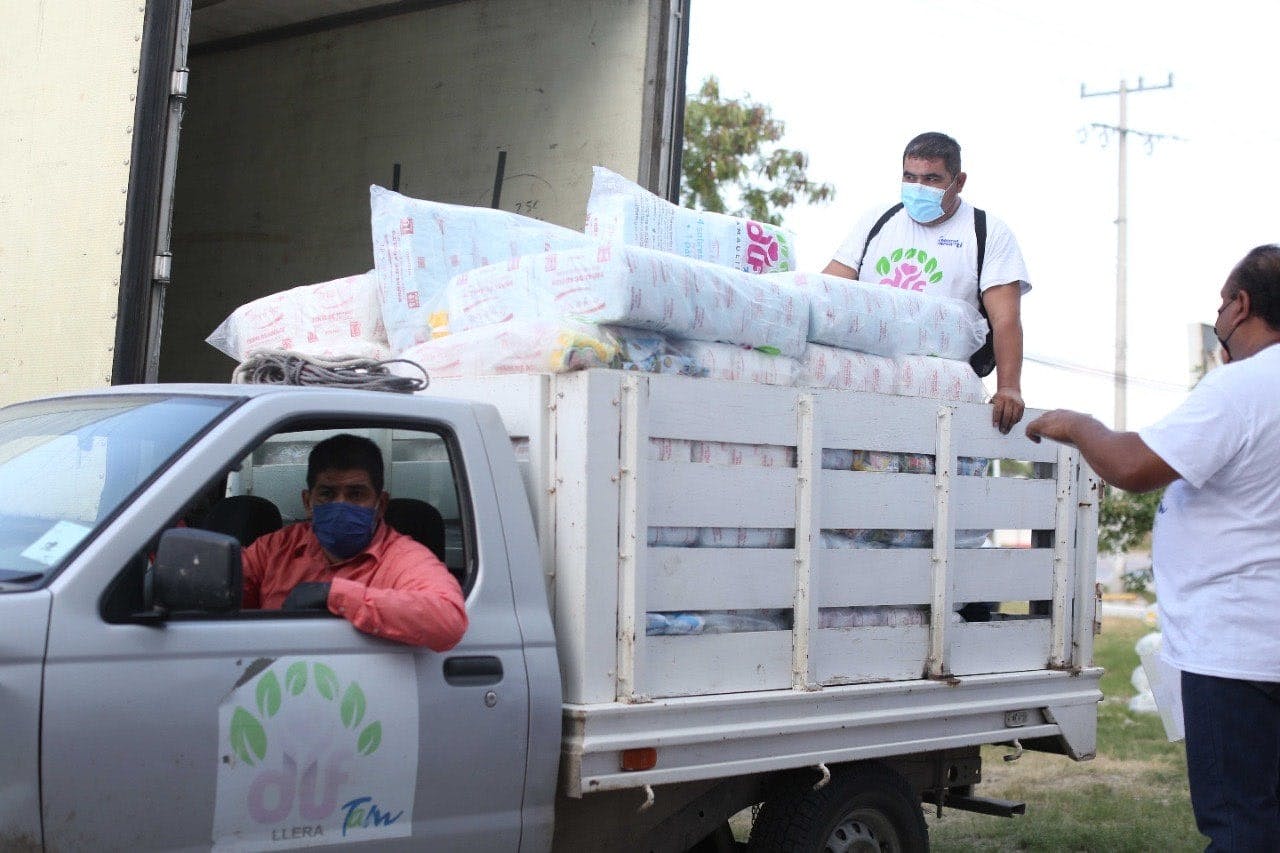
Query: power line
{"type": "Point", "coordinates": [1102, 373]}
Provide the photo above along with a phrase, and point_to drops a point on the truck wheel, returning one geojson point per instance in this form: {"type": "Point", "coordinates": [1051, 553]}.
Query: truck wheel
{"type": "Point", "coordinates": [867, 808]}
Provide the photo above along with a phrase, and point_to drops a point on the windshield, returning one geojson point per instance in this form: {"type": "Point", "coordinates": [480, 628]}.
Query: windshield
{"type": "Point", "coordinates": [67, 465]}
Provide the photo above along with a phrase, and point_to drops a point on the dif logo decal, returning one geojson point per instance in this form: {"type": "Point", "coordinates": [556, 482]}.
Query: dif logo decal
{"type": "Point", "coordinates": [912, 269]}
{"type": "Point", "coordinates": [302, 758]}
{"type": "Point", "coordinates": [764, 251]}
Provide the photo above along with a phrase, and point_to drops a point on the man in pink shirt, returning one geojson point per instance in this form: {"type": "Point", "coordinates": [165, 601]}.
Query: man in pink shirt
{"type": "Point", "coordinates": [347, 560]}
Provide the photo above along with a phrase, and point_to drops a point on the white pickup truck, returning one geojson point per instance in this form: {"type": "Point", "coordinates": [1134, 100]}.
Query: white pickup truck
{"type": "Point", "coordinates": [144, 710]}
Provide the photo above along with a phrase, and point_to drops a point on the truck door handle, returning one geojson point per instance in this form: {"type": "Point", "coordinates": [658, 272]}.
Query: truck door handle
{"type": "Point", "coordinates": [472, 671]}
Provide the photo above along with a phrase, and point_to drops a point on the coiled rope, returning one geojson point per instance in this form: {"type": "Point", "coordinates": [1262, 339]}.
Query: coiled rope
{"type": "Point", "coordinates": [284, 367]}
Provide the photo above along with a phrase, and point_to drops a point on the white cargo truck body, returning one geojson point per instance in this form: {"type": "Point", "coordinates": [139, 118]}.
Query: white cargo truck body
{"type": "Point", "coordinates": [286, 113]}
{"type": "Point", "coordinates": [724, 704]}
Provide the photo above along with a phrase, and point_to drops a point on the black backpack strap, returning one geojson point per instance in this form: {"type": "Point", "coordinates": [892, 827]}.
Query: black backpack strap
{"type": "Point", "coordinates": [885, 217]}
{"type": "Point", "coordinates": [984, 360]}
{"type": "Point", "coordinates": [980, 231]}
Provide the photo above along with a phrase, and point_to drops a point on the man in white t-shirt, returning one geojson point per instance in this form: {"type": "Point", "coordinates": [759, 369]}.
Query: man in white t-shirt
{"type": "Point", "coordinates": [1216, 551]}
{"type": "Point", "coordinates": [929, 243]}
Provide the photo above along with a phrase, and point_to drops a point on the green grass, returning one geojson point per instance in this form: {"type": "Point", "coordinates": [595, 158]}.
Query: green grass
{"type": "Point", "coordinates": [1132, 797]}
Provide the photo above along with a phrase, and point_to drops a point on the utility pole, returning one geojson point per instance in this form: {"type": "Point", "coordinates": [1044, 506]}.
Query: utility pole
{"type": "Point", "coordinates": [1123, 130]}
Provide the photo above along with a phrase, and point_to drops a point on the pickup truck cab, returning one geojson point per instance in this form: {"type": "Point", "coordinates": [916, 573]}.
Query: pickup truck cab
{"type": "Point", "coordinates": [130, 727]}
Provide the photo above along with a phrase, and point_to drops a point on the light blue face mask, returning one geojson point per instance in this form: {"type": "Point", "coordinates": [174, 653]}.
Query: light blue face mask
{"type": "Point", "coordinates": [924, 204]}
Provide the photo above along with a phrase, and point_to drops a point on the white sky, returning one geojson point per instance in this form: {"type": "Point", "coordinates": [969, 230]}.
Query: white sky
{"type": "Point", "coordinates": [853, 81]}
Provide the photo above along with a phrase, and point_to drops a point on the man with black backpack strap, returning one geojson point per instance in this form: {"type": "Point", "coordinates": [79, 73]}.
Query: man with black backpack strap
{"type": "Point", "coordinates": [936, 243]}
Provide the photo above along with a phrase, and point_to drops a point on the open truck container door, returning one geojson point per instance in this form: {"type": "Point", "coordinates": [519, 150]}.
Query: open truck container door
{"type": "Point", "coordinates": [122, 254]}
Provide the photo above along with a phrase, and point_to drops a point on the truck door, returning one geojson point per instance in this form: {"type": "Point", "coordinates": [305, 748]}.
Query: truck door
{"type": "Point", "coordinates": [266, 729]}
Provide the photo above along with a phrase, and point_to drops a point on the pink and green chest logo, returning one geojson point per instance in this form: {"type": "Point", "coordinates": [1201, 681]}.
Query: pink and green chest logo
{"type": "Point", "coordinates": [909, 269]}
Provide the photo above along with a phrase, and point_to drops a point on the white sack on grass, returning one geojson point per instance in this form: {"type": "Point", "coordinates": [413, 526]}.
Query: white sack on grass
{"type": "Point", "coordinates": [333, 319]}
{"type": "Point", "coordinates": [881, 320]}
{"type": "Point", "coordinates": [846, 370]}
{"type": "Point", "coordinates": [637, 287]}
{"type": "Point", "coordinates": [419, 245]}
{"type": "Point", "coordinates": [536, 346]}
{"type": "Point", "coordinates": [727, 361]}
{"type": "Point", "coordinates": [620, 211]}
{"type": "Point", "coordinates": [939, 379]}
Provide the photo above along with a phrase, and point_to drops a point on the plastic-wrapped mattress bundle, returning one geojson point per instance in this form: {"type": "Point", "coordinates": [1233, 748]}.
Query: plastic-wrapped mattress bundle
{"type": "Point", "coordinates": [333, 319]}
{"type": "Point", "coordinates": [419, 245]}
{"type": "Point", "coordinates": [880, 320]}
{"type": "Point", "coordinates": [636, 287]}
{"type": "Point", "coordinates": [847, 370]}
{"type": "Point", "coordinates": [938, 379]}
{"type": "Point", "coordinates": [620, 211]}
{"type": "Point", "coordinates": [726, 361]}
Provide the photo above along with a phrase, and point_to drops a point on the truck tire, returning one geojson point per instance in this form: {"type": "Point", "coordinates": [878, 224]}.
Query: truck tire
{"type": "Point", "coordinates": [864, 808]}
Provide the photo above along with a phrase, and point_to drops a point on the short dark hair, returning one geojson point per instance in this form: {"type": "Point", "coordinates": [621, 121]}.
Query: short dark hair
{"type": "Point", "coordinates": [346, 452]}
{"type": "Point", "coordinates": [1259, 276]}
{"type": "Point", "coordinates": [935, 146]}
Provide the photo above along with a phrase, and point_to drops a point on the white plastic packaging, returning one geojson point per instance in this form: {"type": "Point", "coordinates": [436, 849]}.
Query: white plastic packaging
{"type": "Point", "coordinates": [716, 622]}
{"type": "Point", "coordinates": [880, 320]}
{"type": "Point", "coordinates": [746, 537]}
{"type": "Point", "coordinates": [620, 211]}
{"type": "Point", "coordinates": [670, 450]}
{"type": "Point", "coordinates": [939, 379]}
{"type": "Point", "coordinates": [636, 287]}
{"type": "Point", "coordinates": [753, 455]}
{"type": "Point", "coordinates": [847, 370]}
{"type": "Point", "coordinates": [873, 616]}
{"type": "Point", "coordinates": [535, 346]}
{"type": "Point", "coordinates": [333, 319]}
{"type": "Point", "coordinates": [736, 363]}
{"type": "Point", "coordinates": [672, 537]}
{"type": "Point", "coordinates": [419, 245]}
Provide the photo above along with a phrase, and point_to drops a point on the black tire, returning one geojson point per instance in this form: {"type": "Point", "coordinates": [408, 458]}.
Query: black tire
{"type": "Point", "coordinates": [864, 808]}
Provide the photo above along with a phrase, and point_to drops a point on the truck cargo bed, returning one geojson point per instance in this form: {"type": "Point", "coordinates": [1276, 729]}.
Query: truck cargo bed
{"type": "Point", "coordinates": [742, 701]}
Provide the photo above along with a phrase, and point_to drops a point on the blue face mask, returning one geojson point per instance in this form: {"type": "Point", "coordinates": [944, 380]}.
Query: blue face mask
{"type": "Point", "coordinates": [343, 529]}
{"type": "Point", "coordinates": [923, 204]}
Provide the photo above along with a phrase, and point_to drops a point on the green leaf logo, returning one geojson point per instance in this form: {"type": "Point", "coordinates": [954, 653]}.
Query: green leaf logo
{"type": "Point", "coordinates": [896, 256]}
{"type": "Point", "coordinates": [931, 265]}
{"type": "Point", "coordinates": [882, 266]}
{"type": "Point", "coordinates": [326, 681]}
{"type": "Point", "coordinates": [268, 695]}
{"type": "Point", "coordinates": [295, 678]}
{"type": "Point", "coordinates": [911, 253]}
{"type": "Point", "coordinates": [935, 278]}
{"type": "Point", "coordinates": [370, 739]}
{"type": "Point", "coordinates": [922, 257]}
{"type": "Point", "coordinates": [247, 735]}
{"type": "Point", "coordinates": [353, 706]}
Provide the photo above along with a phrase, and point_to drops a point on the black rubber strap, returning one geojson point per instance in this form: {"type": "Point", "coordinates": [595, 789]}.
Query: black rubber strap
{"type": "Point", "coordinates": [875, 229]}
{"type": "Point", "coordinates": [980, 231]}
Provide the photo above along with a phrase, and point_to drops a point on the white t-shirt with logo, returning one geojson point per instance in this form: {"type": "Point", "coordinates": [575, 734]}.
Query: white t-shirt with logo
{"type": "Point", "coordinates": [940, 260]}
{"type": "Point", "coordinates": [1216, 546]}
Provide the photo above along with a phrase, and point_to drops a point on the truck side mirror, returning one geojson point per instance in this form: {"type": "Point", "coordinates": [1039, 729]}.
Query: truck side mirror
{"type": "Point", "coordinates": [197, 570]}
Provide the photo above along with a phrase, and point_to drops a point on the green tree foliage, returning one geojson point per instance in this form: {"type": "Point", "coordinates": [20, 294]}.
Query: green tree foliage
{"type": "Point", "coordinates": [1124, 519]}
{"type": "Point", "coordinates": [730, 148]}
